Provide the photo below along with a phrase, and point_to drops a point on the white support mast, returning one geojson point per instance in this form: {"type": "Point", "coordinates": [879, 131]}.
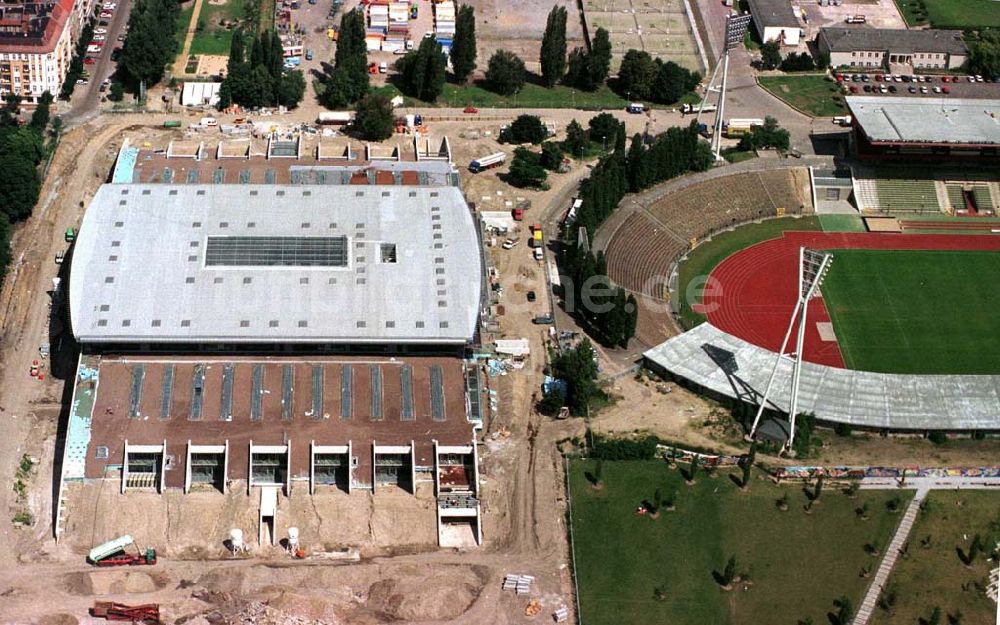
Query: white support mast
{"type": "Point", "coordinates": [813, 266]}
{"type": "Point", "coordinates": [736, 29]}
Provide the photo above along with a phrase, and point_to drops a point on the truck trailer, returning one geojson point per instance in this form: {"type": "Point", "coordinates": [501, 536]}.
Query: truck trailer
{"type": "Point", "coordinates": [335, 118]}
{"type": "Point", "coordinates": [487, 162]}
{"type": "Point", "coordinates": [739, 127]}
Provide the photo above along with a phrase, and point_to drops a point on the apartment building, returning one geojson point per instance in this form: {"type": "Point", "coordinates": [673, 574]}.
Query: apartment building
{"type": "Point", "coordinates": [36, 46]}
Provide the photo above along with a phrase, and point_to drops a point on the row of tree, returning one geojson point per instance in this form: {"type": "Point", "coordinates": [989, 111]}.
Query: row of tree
{"type": "Point", "coordinates": [257, 77]}
{"type": "Point", "coordinates": [151, 43]}
{"type": "Point", "coordinates": [347, 81]}
{"type": "Point", "coordinates": [22, 149]}
{"type": "Point", "coordinates": [75, 71]}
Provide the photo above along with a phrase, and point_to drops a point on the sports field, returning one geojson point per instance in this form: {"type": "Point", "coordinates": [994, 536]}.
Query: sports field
{"type": "Point", "coordinates": [634, 569]}
{"type": "Point", "coordinates": [916, 311]}
{"type": "Point", "coordinates": [958, 14]}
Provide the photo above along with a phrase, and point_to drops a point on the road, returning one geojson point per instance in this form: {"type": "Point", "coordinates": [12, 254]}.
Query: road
{"type": "Point", "coordinates": [86, 99]}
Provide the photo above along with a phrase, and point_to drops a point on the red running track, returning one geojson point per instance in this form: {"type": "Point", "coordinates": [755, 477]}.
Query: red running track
{"type": "Point", "coordinates": [754, 290]}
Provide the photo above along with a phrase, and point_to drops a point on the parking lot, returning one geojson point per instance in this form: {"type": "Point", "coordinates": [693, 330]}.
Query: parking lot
{"type": "Point", "coordinates": [919, 85]}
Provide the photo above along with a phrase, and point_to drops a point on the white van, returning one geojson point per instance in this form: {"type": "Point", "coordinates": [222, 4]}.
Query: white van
{"type": "Point", "coordinates": [209, 122]}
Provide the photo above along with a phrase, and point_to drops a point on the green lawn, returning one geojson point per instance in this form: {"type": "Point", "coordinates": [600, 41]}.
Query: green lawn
{"type": "Point", "coordinates": [958, 14]}
{"type": "Point", "coordinates": [916, 311]}
{"type": "Point", "coordinates": [813, 94]}
{"type": "Point", "coordinates": [933, 576]}
{"type": "Point", "coordinates": [842, 223]}
{"type": "Point", "coordinates": [530, 96]}
{"type": "Point", "coordinates": [214, 38]}
{"type": "Point", "coordinates": [182, 24]}
{"type": "Point", "coordinates": [704, 258]}
{"type": "Point", "coordinates": [798, 563]}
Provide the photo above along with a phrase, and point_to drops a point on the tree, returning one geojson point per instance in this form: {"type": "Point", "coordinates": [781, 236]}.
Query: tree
{"type": "Point", "coordinates": [576, 139]}
{"type": "Point", "coordinates": [117, 92]}
{"type": "Point", "coordinates": [728, 574]}
{"type": "Point", "coordinates": [526, 170]}
{"type": "Point", "coordinates": [373, 117]}
{"type": "Point", "coordinates": [552, 156]}
{"type": "Point", "coordinates": [770, 54]}
{"type": "Point", "coordinates": [505, 73]}
{"type": "Point", "coordinates": [603, 128]}
{"type": "Point", "coordinates": [935, 617]}
{"type": "Point", "coordinates": [348, 81]}
{"type": "Point", "coordinates": [553, 53]}
{"type": "Point", "coordinates": [845, 610]}
{"type": "Point", "coordinates": [578, 368]}
{"type": "Point", "coordinates": [150, 43]}
{"type": "Point", "coordinates": [577, 69]}
{"type": "Point", "coordinates": [984, 54]}
{"type": "Point", "coordinates": [422, 71]}
{"type": "Point", "coordinates": [599, 58]}
{"type": "Point", "coordinates": [770, 135]}
{"type": "Point", "coordinates": [798, 63]}
{"type": "Point", "coordinates": [671, 82]}
{"type": "Point", "coordinates": [636, 75]}
{"type": "Point", "coordinates": [291, 88]}
{"type": "Point", "coordinates": [5, 234]}
{"type": "Point", "coordinates": [40, 118]}
{"type": "Point", "coordinates": [524, 129]}
{"type": "Point", "coordinates": [463, 44]}
{"type": "Point", "coordinates": [19, 186]}
{"type": "Point", "coordinates": [552, 401]}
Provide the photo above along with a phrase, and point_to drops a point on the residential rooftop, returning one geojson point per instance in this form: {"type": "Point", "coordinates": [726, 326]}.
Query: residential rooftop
{"type": "Point", "coordinates": [32, 27]}
{"type": "Point", "coordinates": [276, 264]}
{"type": "Point", "coordinates": [927, 120]}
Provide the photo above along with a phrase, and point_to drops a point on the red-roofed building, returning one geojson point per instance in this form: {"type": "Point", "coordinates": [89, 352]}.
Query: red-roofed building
{"type": "Point", "coordinates": [36, 47]}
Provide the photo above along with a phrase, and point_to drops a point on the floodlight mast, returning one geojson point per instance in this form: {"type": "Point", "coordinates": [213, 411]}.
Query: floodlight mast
{"type": "Point", "coordinates": [736, 28]}
{"type": "Point", "coordinates": [813, 266]}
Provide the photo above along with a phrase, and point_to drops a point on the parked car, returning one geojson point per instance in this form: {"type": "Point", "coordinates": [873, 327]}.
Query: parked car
{"type": "Point", "coordinates": [99, 38]}
{"type": "Point", "coordinates": [892, 89]}
{"type": "Point", "coordinates": [867, 88]}
{"type": "Point", "coordinates": [106, 15]}
{"type": "Point", "coordinates": [531, 296]}
{"type": "Point", "coordinates": [937, 89]}
{"type": "Point", "coordinates": [89, 60]}
{"type": "Point", "coordinates": [94, 48]}
{"type": "Point", "coordinates": [543, 319]}
{"type": "Point", "coordinates": [946, 89]}
{"type": "Point", "coordinates": [865, 78]}
{"type": "Point", "coordinates": [923, 90]}
{"type": "Point", "coordinates": [912, 89]}
{"type": "Point", "coordinates": [100, 31]}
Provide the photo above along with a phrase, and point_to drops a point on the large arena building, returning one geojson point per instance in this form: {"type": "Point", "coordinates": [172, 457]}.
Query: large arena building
{"type": "Point", "coordinates": [271, 337]}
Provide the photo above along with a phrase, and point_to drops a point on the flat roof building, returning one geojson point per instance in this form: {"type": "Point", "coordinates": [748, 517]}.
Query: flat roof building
{"type": "Point", "coordinates": [215, 321]}
{"type": "Point", "coordinates": [898, 50]}
{"type": "Point", "coordinates": [265, 265]}
{"type": "Point", "coordinates": [775, 20]}
{"type": "Point", "coordinates": [956, 123]}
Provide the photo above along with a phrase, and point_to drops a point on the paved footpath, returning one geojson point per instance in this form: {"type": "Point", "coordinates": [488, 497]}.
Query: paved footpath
{"type": "Point", "coordinates": [923, 485]}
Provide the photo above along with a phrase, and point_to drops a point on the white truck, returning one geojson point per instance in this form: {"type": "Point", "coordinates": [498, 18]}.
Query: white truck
{"type": "Point", "coordinates": [687, 109]}
{"type": "Point", "coordinates": [330, 118]}
{"type": "Point", "coordinates": [487, 162]}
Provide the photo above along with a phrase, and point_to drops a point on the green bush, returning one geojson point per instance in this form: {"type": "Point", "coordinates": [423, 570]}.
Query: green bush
{"type": "Point", "coordinates": [624, 449]}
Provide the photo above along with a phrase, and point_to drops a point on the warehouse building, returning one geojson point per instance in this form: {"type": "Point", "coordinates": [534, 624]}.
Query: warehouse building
{"type": "Point", "coordinates": [899, 51]}
{"type": "Point", "coordinates": [271, 337]}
